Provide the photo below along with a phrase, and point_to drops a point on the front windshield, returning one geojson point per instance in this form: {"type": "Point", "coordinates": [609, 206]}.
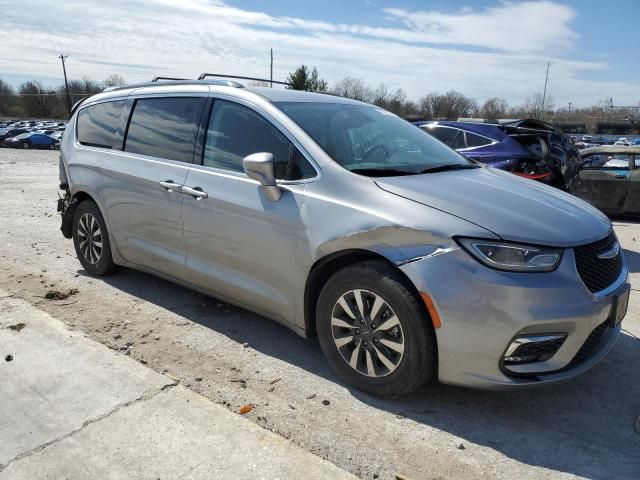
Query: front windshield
{"type": "Point", "coordinates": [23, 135]}
{"type": "Point", "coordinates": [371, 141]}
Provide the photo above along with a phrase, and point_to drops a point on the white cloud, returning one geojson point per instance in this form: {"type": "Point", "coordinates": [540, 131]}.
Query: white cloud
{"type": "Point", "coordinates": [417, 51]}
{"type": "Point", "coordinates": [523, 27]}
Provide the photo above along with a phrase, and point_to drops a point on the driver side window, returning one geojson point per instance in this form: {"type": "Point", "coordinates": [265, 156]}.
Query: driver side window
{"type": "Point", "coordinates": [236, 131]}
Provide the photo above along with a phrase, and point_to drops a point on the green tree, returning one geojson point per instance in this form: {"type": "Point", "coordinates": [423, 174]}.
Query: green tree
{"type": "Point", "coordinates": [317, 84]}
{"type": "Point", "coordinates": [304, 79]}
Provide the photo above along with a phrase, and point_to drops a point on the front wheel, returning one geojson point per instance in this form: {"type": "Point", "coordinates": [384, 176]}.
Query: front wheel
{"type": "Point", "coordinates": [375, 331]}
{"type": "Point", "coordinates": [25, 145]}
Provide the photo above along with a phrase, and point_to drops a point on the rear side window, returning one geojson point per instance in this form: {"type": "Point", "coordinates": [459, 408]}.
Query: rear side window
{"type": "Point", "coordinates": [165, 127]}
{"type": "Point", "coordinates": [236, 131]}
{"type": "Point", "coordinates": [101, 125]}
{"type": "Point", "coordinates": [474, 140]}
{"type": "Point", "coordinates": [445, 134]}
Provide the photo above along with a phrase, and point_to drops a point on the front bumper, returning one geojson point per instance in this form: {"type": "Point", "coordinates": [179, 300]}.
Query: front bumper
{"type": "Point", "coordinates": [482, 310]}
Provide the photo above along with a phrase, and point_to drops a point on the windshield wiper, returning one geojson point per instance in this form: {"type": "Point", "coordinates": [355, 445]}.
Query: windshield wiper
{"type": "Point", "coordinates": [449, 166]}
{"type": "Point", "coordinates": [381, 172]}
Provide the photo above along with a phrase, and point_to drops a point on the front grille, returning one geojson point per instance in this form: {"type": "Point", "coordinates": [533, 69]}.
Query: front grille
{"type": "Point", "coordinates": [592, 341]}
{"type": "Point", "coordinates": [596, 273]}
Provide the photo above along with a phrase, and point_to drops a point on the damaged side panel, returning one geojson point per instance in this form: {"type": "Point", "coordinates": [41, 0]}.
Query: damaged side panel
{"type": "Point", "coordinates": [389, 225]}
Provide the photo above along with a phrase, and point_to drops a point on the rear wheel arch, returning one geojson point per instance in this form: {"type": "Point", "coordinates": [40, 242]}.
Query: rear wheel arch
{"type": "Point", "coordinates": [67, 216]}
{"type": "Point", "coordinates": [327, 266]}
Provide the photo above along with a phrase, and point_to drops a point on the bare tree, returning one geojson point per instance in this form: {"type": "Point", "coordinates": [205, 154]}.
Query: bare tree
{"type": "Point", "coordinates": [458, 105]}
{"type": "Point", "coordinates": [398, 104]}
{"type": "Point", "coordinates": [534, 107]}
{"type": "Point", "coordinates": [7, 95]}
{"type": "Point", "coordinates": [91, 87]}
{"type": "Point", "coordinates": [494, 109]}
{"type": "Point", "coordinates": [354, 88]}
{"type": "Point", "coordinates": [36, 99]}
{"type": "Point", "coordinates": [258, 83]}
{"type": "Point", "coordinates": [450, 105]}
{"type": "Point", "coordinates": [429, 105]}
{"type": "Point", "coordinates": [114, 80]}
{"type": "Point", "coordinates": [380, 96]}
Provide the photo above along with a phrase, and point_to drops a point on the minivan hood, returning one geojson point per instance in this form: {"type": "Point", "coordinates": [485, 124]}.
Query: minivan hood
{"type": "Point", "coordinates": [513, 208]}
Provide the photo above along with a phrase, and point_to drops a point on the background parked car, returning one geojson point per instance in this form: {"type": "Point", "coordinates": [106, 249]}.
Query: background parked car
{"type": "Point", "coordinates": [32, 140]}
{"type": "Point", "coordinates": [609, 179]}
{"type": "Point", "coordinates": [12, 132]}
{"type": "Point", "coordinates": [529, 148]}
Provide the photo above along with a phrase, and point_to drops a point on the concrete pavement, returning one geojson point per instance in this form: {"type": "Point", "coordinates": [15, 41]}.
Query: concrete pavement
{"type": "Point", "coordinates": [72, 408]}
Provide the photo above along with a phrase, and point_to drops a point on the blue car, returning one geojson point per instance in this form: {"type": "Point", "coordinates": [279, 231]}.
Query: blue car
{"type": "Point", "coordinates": [32, 140]}
{"type": "Point", "coordinates": [529, 148]}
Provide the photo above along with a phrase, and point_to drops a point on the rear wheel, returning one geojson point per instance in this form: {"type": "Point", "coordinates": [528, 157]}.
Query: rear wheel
{"type": "Point", "coordinates": [52, 146]}
{"type": "Point", "coordinates": [25, 145]}
{"type": "Point", "coordinates": [91, 240]}
{"type": "Point", "coordinates": [375, 331]}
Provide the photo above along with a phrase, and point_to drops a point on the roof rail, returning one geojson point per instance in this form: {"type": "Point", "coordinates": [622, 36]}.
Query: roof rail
{"type": "Point", "coordinates": [224, 83]}
{"type": "Point", "coordinates": [155, 79]}
{"type": "Point", "coordinates": [205, 75]}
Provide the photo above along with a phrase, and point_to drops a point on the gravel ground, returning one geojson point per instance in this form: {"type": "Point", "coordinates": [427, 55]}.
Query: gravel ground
{"type": "Point", "coordinates": [582, 428]}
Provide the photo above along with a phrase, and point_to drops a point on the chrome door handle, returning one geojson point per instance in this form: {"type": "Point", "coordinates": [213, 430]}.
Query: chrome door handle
{"type": "Point", "coordinates": [170, 185]}
{"type": "Point", "coordinates": [195, 192]}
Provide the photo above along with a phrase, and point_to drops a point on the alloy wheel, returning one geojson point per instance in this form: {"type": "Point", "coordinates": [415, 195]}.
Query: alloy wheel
{"type": "Point", "coordinates": [90, 238]}
{"type": "Point", "coordinates": [367, 333]}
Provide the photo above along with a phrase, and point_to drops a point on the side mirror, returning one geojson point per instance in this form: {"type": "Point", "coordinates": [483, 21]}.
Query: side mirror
{"type": "Point", "coordinates": [259, 166]}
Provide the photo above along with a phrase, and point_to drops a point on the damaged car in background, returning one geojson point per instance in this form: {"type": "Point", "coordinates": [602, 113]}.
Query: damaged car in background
{"type": "Point", "coordinates": [609, 179]}
{"type": "Point", "coordinates": [528, 148]}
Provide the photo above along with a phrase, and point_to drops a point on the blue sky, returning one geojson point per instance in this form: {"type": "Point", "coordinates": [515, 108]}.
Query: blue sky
{"type": "Point", "coordinates": [482, 48]}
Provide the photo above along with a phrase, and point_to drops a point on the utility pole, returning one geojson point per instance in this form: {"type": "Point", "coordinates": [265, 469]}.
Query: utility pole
{"type": "Point", "coordinates": [544, 95]}
{"type": "Point", "coordinates": [271, 77]}
{"type": "Point", "coordinates": [569, 112]}
{"type": "Point", "coordinates": [66, 84]}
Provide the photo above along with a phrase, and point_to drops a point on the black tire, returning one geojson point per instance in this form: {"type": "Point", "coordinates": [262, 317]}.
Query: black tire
{"type": "Point", "coordinates": [83, 228]}
{"type": "Point", "coordinates": [418, 363]}
{"type": "Point", "coordinates": [25, 145]}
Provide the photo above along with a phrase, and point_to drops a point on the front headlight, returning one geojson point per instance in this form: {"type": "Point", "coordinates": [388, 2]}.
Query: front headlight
{"type": "Point", "coordinates": [512, 257]}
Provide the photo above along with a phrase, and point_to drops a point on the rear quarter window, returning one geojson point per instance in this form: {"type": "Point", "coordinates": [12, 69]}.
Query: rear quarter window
{"type": "Point", "coordinates": [165, 127]}
{"type": "Point", "coordinates": [474, 140]}
{"type": "Point", "coordinates": [101, 125]}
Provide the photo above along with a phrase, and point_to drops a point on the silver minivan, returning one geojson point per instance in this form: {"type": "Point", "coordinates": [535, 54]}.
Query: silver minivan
{"type": "Point", "coordinates": [339, 219]}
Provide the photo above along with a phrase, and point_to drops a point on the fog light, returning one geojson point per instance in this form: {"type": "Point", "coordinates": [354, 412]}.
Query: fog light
{"type": "Point", "coordinates": [533, 348]}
